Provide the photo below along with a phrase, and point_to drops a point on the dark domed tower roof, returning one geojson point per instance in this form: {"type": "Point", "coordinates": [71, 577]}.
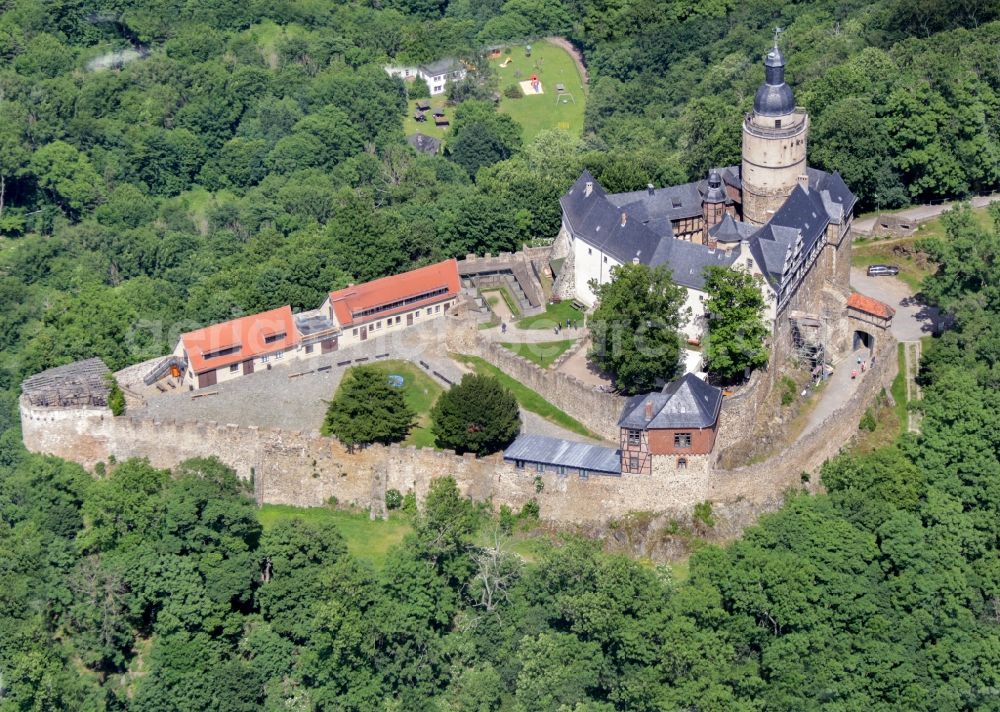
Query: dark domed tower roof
{"type": "Point", "coordinates": [715, 193]}
{"type": "Point", "coordinates": [774, 97]}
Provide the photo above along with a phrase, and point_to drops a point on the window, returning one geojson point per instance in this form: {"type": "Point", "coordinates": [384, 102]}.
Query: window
{"type": "Point", "coordinates": [428, 311]}
{"type": "Point", "coordinates": [749, 263]}
{"type": "Point", "coordinates": [279, 354]}
{"type": "Point", "coordinates": [682, 463]}
{"type": "Point", "coordinates": [584, 474]}
{"type": "Point", "coordinates": [633, 464]}
{"type": "Point", "coordinates": [519, 464]}
{"type": "Point", "coordinates": [234, 368]}
{"type": "Point", "coordinates": [561, 470]}
{"type": "Point", "coordinates": [590, 251]}
{"type": "Point", "coordinates": [682, 441]}
{"type": "Point", "coordinates": [540, 466]}
{"type": "Point", "coordinates": [264, 358]}
{"type": "Point", "coordinates": [437, 308]}
{"type": "Point", "coordinates": [354, 332]}
{"type": "Point", "coordinates": [399, 319]}
{"type": "Point", "coordinates": [274, 337]}
{"type": "Point", "coordinates": [635, 437]}
{"type": "Point", "coordinates": [777, 123]}
{"type": "Point", "coordinates": [416, 314]}
{"type": "Point", "coordinates": [221, 352]}
{"type": "Point", "coordinates": [378, 324]}
{"type": "Point", "coordinates": [309, 347]}
{"type": "Point", "coordinates": [605, 259]}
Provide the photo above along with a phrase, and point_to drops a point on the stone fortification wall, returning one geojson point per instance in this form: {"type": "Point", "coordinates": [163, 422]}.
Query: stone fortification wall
{"type": "Point", "coordinates": [597, 410]}
{"type": "Point", "coordinates": [807, 454]}
{"type": "Point", "coordinates": [304, 469]}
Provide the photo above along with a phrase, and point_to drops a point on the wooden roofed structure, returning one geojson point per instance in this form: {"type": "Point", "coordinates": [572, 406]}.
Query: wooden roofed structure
{"type": "Point", "coordinates": [75, 385]}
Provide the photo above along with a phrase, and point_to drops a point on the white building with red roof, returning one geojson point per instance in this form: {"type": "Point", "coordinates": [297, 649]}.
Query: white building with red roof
{"type": "Point", "coordinates": [237, 347]}
{"type": "Point", "coordinates": [348, 316]}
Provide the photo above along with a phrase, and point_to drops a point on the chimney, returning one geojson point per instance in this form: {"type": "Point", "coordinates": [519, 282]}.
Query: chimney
{"type": "Point", "coordinates": [650, 189]}
{"type": "Point", "coordinates": [624, 219]}
{"type": "Point", "coordinates": [649, 410]}
{"type": "Point", "coordinates": [588, 189]}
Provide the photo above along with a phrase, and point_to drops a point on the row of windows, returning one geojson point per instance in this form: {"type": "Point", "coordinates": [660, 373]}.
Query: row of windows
{"type": "Point", "coordinates": [398, 319]}
{"type": "Point", "coordinates": [561, 470]}
{"type": "Point", "coordinates": [401, 303]}
{"type": "Point", "coordinates": [682, 441]}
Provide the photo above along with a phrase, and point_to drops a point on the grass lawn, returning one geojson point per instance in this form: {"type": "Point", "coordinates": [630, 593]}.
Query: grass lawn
{"type": "Point", "coordinates": [366, 539]}
{"type": "Point", "coordinates": [553, 314]}
{"type": "Point", "coordinates": [913, 264]}
{"type": "Point", "coordinates": [494, 294]}
{"type": "Point", "coordinates": [411, 125]}
{"type": "Point", "coordinates": [543, 353]}
{"type": "Point", "coordinates": [420, 392]}
{"type": "Point", "coordinates": [537, 112]}
{"type": "Point", "coordinates": [527, 398]}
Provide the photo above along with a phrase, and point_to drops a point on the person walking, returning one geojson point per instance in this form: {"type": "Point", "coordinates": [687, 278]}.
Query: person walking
{"type": "Point", "coordinates": [854, 374]}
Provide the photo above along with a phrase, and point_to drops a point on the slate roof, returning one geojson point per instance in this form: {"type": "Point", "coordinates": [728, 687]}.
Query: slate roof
{"type": "Point", "coordinates": [555, 451]}
{"type": "Point", "coordinates": [687, 261]}
{"type": "Point", "coordinates": [424, 143]}
{"type": "Point", "coordinates": [598, 221]}
{"type": "Point", "coordinates": [731, 230]}
{"type": "Point", "coordinates": [688, 402]}
{"type": "Point", "coordinates": [778, 247]}
{"type": "Point", "coordinates": [441, 66]}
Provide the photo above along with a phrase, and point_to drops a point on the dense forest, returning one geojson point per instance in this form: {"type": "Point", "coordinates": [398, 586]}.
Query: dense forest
{"type": "Point", "coordinates": [167, 164]}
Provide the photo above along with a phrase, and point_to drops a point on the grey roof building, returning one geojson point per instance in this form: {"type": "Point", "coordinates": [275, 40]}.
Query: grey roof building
{"type": "Point", "coordinates": [424, 143]}
{"type": "Point", "coordinates": [688, 402]}
{"type": "Point", "coordinates": [543, 452]}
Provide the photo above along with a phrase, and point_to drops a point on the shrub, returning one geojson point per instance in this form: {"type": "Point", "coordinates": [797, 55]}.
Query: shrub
{"type": "Point", "coordinates": [418, 89]}
{"type": "Point", "coordinates": [513, 92]}
{"type": "Point", "coordinates": [703, 514]}
{"type": "Point", "coordinates": [116, 398]}
{"type": "Point", "coordinates": [507, 519]}
{"type": "Point", "coordinates": [530, 511]}
{"type": "Point", "coordinates": [368, 410]}
{"type": "Point", "coordinates": [393, 499]}
{"type": "Point", "coordinates": [868, 421]}
{"type": "Point", "coordinates": [788, 390]}
{"type": "Point", "coordinates": [409, 503]}
{"type": "Point", "coordinates": [539, 483]}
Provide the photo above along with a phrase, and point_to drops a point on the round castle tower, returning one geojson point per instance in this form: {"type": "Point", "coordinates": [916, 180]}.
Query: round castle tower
{"type": "Point", "coordinates": [774, 144]}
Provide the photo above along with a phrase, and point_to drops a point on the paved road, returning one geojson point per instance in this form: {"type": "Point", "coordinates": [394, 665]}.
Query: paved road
{"type": "Point", "coordinates": [920, 213]}
{"type": "Point", "coordinates": [913, 319]}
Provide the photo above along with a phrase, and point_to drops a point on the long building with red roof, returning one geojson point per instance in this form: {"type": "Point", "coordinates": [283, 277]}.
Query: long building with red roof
{"type": "Point", "coordinates": [364, 310]}
{"type": "Point", "coordinates": [348, 316]}
{"type": "Point", "coordinates": [237, 347]}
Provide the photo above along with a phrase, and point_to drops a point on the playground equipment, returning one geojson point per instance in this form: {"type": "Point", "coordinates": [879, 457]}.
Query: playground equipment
{"type": "Point", "coordinates": [503, 64]}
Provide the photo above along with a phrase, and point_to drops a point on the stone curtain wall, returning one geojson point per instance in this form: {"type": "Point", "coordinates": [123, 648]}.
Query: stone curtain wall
{"type": "Point", "coordinates": [807, 454]}
{"type": "Point", "coordinates": [597, 410]}
{"type": "Point", "coordinates": [304, 469]}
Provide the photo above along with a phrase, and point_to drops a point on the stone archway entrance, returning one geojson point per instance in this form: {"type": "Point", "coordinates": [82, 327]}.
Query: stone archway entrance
{"type": "Point", "coordinates": [863, 340]}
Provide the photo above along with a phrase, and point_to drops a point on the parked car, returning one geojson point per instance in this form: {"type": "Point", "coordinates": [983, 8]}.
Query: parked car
{"type": "Point", "coordinates": [882, 270]}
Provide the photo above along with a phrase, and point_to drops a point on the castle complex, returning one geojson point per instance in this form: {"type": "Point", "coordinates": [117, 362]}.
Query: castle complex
{"type": "Point", "coordinates": [772, 216]}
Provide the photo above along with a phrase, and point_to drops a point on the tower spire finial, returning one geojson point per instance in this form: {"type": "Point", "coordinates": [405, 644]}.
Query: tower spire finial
{"type": "Point", "coordinates": [777, 31]}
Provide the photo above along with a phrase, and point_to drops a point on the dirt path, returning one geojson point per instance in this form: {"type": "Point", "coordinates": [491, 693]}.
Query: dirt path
{"type": "Point", "coordinates": [922, 213]}
{"type": "Point", "coordinates": [575, 54]}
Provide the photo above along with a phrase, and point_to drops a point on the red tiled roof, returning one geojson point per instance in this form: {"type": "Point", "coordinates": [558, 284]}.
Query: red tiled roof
{"type": "Point", "coordinates": [390, 291]}
{"type": "Point", "coordinates": [246, 336]}
{"type": "Point", "coordinates": [868, 305]}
